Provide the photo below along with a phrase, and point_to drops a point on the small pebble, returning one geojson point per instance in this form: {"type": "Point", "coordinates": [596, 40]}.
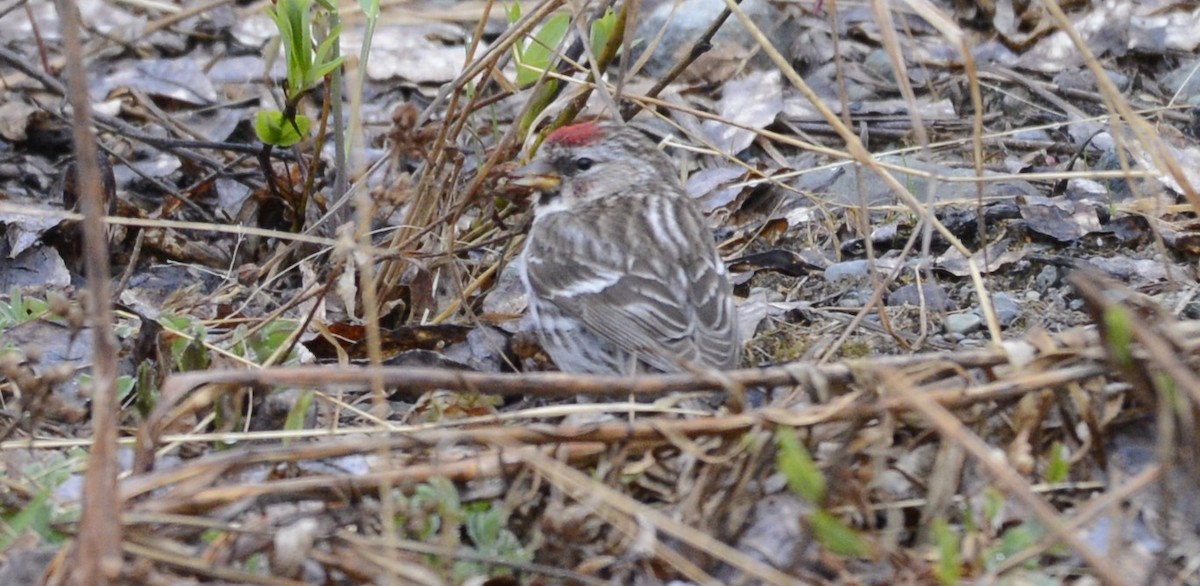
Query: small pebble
{"type": "Point", "coordinates": [936, 298]}
{"type": "Point", "coordinates": [1007, 309]}
{"type": "Point", "coordinates": [963, 323]}
{"type": "Point", "coordinates": [1047, 278]}
{"type": "Point", "coordinates": [851, 269]}
{"type": "Point", "coordinates": [851, 301]}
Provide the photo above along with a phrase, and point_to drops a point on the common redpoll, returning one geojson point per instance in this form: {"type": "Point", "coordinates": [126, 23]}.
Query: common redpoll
{"type": "Point", "coordinates": [620, 267]}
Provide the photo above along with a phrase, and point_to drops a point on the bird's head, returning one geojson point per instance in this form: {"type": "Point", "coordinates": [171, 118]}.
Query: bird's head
{"type": "Point", "coordinates": [594, 160]}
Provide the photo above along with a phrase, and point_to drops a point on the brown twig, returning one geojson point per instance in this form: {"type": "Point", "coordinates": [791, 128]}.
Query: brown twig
{"type": "Point", "coordinates": [700, 47]}
{"type": "Point", "coordinates": [413, 381]}
{"type": "Point", "coordinates": [97, 552]}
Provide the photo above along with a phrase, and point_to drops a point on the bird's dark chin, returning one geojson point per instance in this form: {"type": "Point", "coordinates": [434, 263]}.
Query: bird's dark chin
{"type": "Point", "coordinates": [548, 197]}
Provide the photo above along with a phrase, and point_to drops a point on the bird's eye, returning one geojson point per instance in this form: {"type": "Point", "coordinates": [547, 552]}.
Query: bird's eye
{"type": "Point", "coordinates": [583, 163]}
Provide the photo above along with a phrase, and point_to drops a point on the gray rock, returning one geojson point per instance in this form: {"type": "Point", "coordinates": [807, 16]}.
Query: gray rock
{"type": "Point", "coordinates": [936, 298]}
{"type": "Point", "coordinates": [854, 299]}
{"type": "Point", "coordinates": [851, 269]}
{"type": "Point", "coordinates": [1007, 309]}
{"type": "Point", "coordinates": [1047, 278]}
{"type": "Point", "coordinates": [963, 323]}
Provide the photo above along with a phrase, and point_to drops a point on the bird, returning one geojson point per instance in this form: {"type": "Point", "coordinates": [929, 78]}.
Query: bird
{"type": "Point", "coordinates": [620, 267]}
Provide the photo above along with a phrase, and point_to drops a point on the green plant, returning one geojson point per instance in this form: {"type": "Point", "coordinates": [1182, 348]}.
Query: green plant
{"type": "Point", "coordinates": [188, 351]}
{"type": "Point", "coordinates": [435, 511]}
{"type": "Point", "coordinates": [1059, 468]}
{"type": "Point", "coordinates": [147, 393]}
{"type": "Point", "coordinates": [125, 385]}
{"type": "Point", "coordinates": [33, 517]}
{"type": "Point", "coordinates": [295, 416]}
{"type": "Point", "coordinates": [307, 64]}
{"type": "Point", "coordinates": [534, 57]}
{"type": "Point", "coordinates": [41, 514]}
{"type": "Point", "coordinates": [265, 341]}
{"type": "Point", "coordinates": [806, 481]}
{"type": "Point", "coordinates": [1117, 327]}
{"type": "Point", "coordinates": [948, 569]}
{"type": "Point", "coordinates": [798, 467]}
{"type": "Point", "coordinates": [20, 309]}
{"type": "Point", "coordinates": [489, 536]}
{"type": "Point", "coordinates": [1012, 541]}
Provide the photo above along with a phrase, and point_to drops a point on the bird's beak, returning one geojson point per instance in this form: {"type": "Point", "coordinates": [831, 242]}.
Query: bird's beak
{"type": "Point", "coordinates": [538, 176]}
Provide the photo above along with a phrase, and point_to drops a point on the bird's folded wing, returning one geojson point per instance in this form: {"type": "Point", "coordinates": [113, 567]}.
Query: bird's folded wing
{"type": "Point", "coordinates": [667, 304]}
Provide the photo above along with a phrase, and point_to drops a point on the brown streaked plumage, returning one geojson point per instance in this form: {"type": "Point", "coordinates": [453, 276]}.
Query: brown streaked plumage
{"type": "Point", "coordinates": [620, 266]}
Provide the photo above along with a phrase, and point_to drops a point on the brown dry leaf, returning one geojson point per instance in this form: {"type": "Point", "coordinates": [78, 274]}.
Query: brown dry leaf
{"type": "Point", "coordinates": [181, 82]}
{"type": "Point", "coordinates": [714, 187]}
{"type": "Point", "coordinates": [1183, 237]}
{"type": "Point", "coordinates": [1187, 158]}
{"type": "Point", "coordinates": [999, 255]}
{"type": "Point", "coordinates": [352, 338]}
{"type": "Point", "coordinates": [1060, 219]}
{"type": "Point", "coordinates": [749, 104]}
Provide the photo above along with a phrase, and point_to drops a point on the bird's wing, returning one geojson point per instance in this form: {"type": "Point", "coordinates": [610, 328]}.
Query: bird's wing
{"type": "Point", "coordinates": [646, 278]}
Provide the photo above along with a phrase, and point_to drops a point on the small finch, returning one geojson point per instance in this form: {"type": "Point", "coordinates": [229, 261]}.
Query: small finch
{"type": "Point", "coordinates": [620, 267]}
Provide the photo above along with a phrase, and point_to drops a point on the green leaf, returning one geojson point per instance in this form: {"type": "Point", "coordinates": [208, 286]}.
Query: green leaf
{"type": "Point", "coordinates": [537, 54]}
{"type": "Point", "coordinates": [518, 49]}
{"type": "Point", "coordinates": [273, 129]}
{"type": "Point", "coordinates": [1119, 334]}
{"type": "Point", "coordinates": [484, 527]}
{"type": "Point", "coordinates": [602, 29]}
{"type": "Point", "coordinates": [293, 18]}
{"type": "Point", "coordinates": [993, 504]}
{"type": "Point", "coordinates": [269, 339]}
{"type": "Point", "coordinates": [124, 387]}
{"type": "Point", "coordinates": [187, 350]}
{"type": "Point", "coordinates": [836, 536]}
{"type": "Point", "coordinates": [1014, 540]}
{"type": "Point", "coordinates": [322, 68]}
{"type": "Point", "coordinates": [1059, 468]}
{"type": "Point", "coordinates": [295, 416]}
{"type": "Point", "coordinates": [370, 8]}
{"type": "Point", "coordinates": [803, 476]}
{"type": "Point", "coordinates": [192, 355]}
{"type": "Point", "coordinates": [1169, 391]}
{"type": "Point", "coordinates": [147, 389]}
{"type": "Point", "coordinates": [33, 308]}
{"type": "Point", "coordinates": [34, 517]}
{"type": "Point", "coordinates": [948, 570]}
{"type": "Point", "coordinates": [178, 323]}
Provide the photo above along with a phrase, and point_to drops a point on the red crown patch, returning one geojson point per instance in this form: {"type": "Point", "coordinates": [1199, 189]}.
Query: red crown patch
{"type": "Point", "coordinates": [575, 135]}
